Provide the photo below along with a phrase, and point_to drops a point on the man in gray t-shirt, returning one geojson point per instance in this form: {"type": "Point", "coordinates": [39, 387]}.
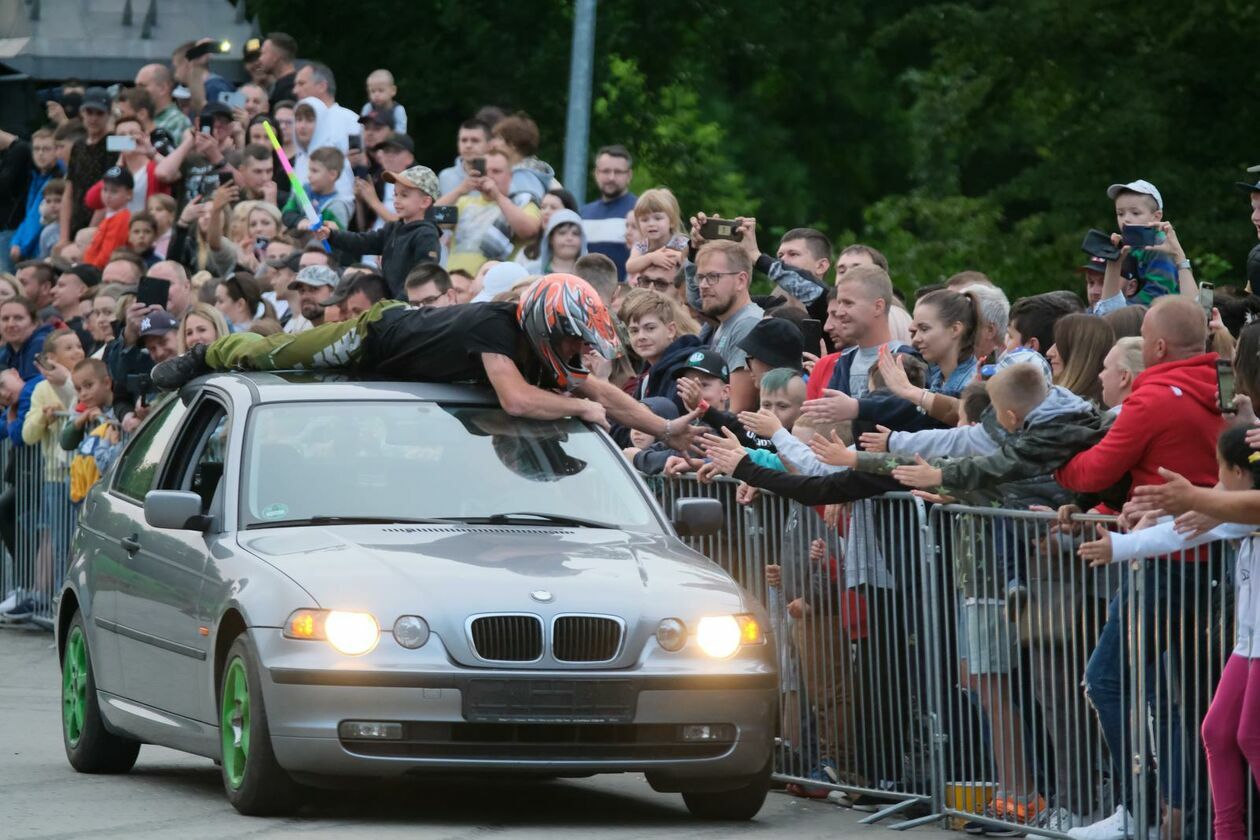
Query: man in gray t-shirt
{"type": "Point", "coordinates": [723, 271]}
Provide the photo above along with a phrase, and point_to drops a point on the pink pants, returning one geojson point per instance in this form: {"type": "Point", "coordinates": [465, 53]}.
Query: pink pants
{"type": "Point", "coordinates": [1231, 735]}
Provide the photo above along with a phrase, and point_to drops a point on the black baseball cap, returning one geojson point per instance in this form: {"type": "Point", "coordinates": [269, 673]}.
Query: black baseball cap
{"type": "Point", "coordinates": [88, 273]}
{"type": "Point", "coordinates": [396, 141]}
{"type": "Point", "coordinates": [706, 360]}
{"type": "Point", "coordinates": [378, 117]}
{"type": "Point", "coordinates": [215, 109]}
{"type": "Point", "coordinates": [119, 176]}
{"type": "Point", "coordinates": [157, 323]}
{"type": "Point", "coordinates": [251, 49]}
{"type": "Point", "coordinates": [1096, 264]}
{"type": "Point", "coordinates": [95, 98]}
{"type": "Point", "coordinates": [776, 342]}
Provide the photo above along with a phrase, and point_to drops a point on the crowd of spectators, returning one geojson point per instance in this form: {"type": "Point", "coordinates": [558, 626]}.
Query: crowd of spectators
{"type": "Point", "coordinates": [146, 219]}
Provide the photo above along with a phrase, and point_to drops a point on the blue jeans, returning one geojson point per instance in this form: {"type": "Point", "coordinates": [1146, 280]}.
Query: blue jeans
{"type": "Point", "coordinates": [1176, 623]}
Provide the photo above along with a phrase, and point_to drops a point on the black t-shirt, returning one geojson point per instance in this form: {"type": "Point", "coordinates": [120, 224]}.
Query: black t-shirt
{"type": "Point", "coordinates": [283, 89]}
{"type": "Point", "coordinates": [88, 162]}
{"type": "Point", "coordinates": [444, 344]}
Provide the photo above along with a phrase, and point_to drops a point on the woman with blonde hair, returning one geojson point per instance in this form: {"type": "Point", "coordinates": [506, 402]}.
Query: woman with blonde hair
{"type": "Point", "coordinates": [201, 324]}
{"type": "Point", "coordinates": [662, 241]}
{"type": "Point", "coordinates": [9, 287]}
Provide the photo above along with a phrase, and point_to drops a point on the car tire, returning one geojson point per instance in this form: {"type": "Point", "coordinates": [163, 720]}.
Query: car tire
{"type": "Point", "coordinates": [255, 783]}
{"type": "Point", "coordinates": [90, 747]}
{"type": "Point", "coordinates": [741, 803]}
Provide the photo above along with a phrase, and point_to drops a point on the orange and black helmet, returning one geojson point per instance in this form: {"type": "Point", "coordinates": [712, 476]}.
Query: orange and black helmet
{"type": "Point", "coordinates": [561, 306]}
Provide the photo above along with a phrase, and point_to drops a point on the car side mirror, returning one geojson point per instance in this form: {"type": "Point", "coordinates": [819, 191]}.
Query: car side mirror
{"type": "Point", "coordinates": [174, 509]}
{"type": "Point", "coordinates": [698, 517]}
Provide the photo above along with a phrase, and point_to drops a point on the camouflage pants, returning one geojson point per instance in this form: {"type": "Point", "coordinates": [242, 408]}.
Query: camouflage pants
{"type": "Point", "coordinates": [336, 345]}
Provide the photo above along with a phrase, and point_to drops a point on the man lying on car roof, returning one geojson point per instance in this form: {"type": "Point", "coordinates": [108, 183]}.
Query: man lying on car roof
{"type": "Point", "coordinates": [530, 353]}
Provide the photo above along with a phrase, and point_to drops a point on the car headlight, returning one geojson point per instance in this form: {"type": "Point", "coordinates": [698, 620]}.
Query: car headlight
{"type": "Point", "coordinates": [671, 634]}
{"type": "Point", "coordinates": [351, 633]}
{"type": "Point", "coordinates": [720, 636]}
{"type": "Point", "coordinates": [411, 631]}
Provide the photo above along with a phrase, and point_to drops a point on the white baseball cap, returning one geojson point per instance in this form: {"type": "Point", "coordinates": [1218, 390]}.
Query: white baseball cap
{"type": "Point", "coordinates": [1138, 186]}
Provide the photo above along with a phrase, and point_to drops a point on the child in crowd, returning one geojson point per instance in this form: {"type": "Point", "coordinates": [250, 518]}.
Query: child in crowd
{"type": "Point", "coordinates": [782, 395]}
{"type": "Point", "coordinates": [50, 216]}
{"type": "Point", "coordinates": [162, 209]}
{"type": "Point", "coordinates": [705, 377]}
{"type": "Point", "coordinates": [381, 92]}
{"type": "Point", "coordinates": [323, 170]}
{"type": "Point", "coordinates": [93, 433]}
{"type": "Point", "coordinates": [662, 242]}
{"type": "Point", "coordinates": [44, 168]}
{"type": "Point", "coordinates": [404, 243]}
{"type": "Point", "coordinates": [116, 191]}
{"type": "Point", "coordinates": [1145, 273]}
{"type": "Point", "coordinates": [141, 235]}
{"type": "Point", "coordinates": [62, 352]}
{"type": "Point", "coordinates": [1231, 728]}
{"type": "Point", "coordinates": [691, 393]}
{"type": "Point", "coordinates": [663, 335]}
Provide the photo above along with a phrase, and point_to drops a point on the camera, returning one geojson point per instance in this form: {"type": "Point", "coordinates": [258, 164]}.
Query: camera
{"type": "Point", "coordinates": [445, 214]}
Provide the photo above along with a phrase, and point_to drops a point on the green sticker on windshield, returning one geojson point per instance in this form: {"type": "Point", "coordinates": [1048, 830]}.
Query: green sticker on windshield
{"type": "Point", "coordinates": [275, 511]}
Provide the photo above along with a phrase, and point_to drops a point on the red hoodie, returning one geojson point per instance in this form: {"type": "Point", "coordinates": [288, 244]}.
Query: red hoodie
{"type": "Point", "coordinates": [1170, 420]}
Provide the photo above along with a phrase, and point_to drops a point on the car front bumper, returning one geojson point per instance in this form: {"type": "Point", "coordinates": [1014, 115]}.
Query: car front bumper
{"type": "Point", "coordinates": [310, 691]}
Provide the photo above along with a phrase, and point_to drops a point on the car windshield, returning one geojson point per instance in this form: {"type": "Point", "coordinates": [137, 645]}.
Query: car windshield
{"type": "Point", "coordinates": [320, 463]}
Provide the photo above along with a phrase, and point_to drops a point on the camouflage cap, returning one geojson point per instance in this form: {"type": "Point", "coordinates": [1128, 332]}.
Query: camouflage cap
{"type": "Point", "coordinates": [419, 177]}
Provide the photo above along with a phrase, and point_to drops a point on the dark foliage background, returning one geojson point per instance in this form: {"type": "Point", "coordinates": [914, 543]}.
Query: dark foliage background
{"type": "Point", "coordinates": [951, 135]}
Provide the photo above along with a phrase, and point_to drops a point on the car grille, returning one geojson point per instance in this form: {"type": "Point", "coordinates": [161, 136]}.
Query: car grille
{"type": "Point", "coordinates": [508, 638]}
{"type": "Point", "coordinates": [585, 638]}
{"type": "Point", "coordinates": [526, 742]}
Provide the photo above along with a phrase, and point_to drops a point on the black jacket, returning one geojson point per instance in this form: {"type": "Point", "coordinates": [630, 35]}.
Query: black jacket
{"type": "Point", "coordinates": [402, 246]}
{"type": "Point", "coordinates": [834, 488]}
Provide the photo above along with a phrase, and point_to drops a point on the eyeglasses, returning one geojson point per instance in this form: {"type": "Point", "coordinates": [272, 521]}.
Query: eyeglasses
{"type": "Point", "coordinates": [428, 301]}
{"type": "Point", "coordinates": [711, 278]}
{"type": "Point", "coordinates": [658, 285]}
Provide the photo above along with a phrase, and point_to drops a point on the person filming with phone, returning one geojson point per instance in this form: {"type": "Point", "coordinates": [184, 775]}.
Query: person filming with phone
{"type": "Point", "coordinates": [1150, 261]}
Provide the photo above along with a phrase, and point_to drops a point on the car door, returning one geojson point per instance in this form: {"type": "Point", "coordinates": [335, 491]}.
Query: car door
{"type": "Point", "coordinates": [108, 523]}
{"type": "Point", "coordinates": [162, 645]}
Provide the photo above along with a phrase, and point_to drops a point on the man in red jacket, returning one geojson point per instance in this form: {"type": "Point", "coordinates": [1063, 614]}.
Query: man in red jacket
{"type": "Point", "coordinates": [1170, 419]}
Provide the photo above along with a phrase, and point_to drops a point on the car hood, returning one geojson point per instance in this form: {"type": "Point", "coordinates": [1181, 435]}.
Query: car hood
{"type": "Point", "coordinates": [449, 573]}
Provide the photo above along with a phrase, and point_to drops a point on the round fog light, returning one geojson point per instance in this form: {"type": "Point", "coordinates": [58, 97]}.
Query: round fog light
{"type": "Point", "coordinates": [671, 634]}
{"type": "Point", "coordinates": [411, 631]}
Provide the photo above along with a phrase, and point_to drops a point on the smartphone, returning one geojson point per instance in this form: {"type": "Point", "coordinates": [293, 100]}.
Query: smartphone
{"type": "Point", "coordinates": [140, 384]}
{"type": "Point", "coordinates": [811, 329]}
{"type": "Point", "coordinates": [232, 98]}
{"type": "Point", "coordinates": [153, 291]}
{"type": "Point", "coordinates": [1225, 385]}
{"type": "Point", "coordinates": [120, 143]}
{"type": "Point", "coordinates": [209, 183]}
{"type": "Point", "coordinates": [1206, 293]}
{"type": "Point", "coordinates": [1098, 244]}
{"type": "Point", "coordinates": [207, 129]}
{"type": "Point", "coordinates": [721, 229]}
{"type": "Point", "coordinates": [478, 165]}
{"type": "Point", "coordinates": [445, 214]}
{"type": "Point", "coordinates": [1139, 236]}
{"type": "Point", "coordinates": [355, 142]}
{"type": "Point", "coordinates": [261, 243]}
{"type": "Point", "coordinates": [195, 52]}
{"type": "Point", "coordinates": [41, 360]}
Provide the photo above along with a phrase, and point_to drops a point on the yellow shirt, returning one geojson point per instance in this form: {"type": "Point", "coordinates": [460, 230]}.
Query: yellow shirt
{"type": "Point", "coordinates": [477, 215]}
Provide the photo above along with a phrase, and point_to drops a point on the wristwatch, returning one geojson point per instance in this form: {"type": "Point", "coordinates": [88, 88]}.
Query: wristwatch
{"type": "Point", "coordinates": [1184, 264]}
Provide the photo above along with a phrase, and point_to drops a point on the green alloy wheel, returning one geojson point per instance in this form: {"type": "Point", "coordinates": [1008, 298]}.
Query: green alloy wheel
{"type": "Point", "coordinates": [90, 747]}
{"type": "Point", "coordinates": [254, 781]}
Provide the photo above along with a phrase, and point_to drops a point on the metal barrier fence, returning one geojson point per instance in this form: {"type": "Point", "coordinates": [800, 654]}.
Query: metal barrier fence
{"type": "Point", "coordinates": [965, 664]}
{"type": "Point", "coordinates": [37, 521]}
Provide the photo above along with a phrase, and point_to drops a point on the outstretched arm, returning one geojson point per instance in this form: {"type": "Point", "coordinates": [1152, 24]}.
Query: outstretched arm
{"type": "Point", "coordinates": [520, 399]}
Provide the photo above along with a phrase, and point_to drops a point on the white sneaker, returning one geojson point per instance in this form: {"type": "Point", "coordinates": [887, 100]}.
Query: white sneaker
{"type": "Point", "coordinates": [1116, 827]}
{"type": "Point", "coordinates": [1059, 819]}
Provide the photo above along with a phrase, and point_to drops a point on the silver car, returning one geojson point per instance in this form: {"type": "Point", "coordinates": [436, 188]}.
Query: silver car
{"type": "Point", "coordinates": [308, 579]}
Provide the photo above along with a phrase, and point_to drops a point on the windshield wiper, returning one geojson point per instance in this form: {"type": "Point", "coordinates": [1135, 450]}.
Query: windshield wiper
{"type": "Point", "coordinates": [352, 520]}
{"type": "Point", "coordinates": [551, 518]}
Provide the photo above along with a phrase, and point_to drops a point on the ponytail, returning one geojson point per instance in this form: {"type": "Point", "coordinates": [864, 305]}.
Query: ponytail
{"type": "Point", "coordinates": [1234, 450]}
{"type": "Point", "coordinates": [957, 308]}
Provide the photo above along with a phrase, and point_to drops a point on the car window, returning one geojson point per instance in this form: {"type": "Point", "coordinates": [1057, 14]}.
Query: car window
{"type": "Point", "coordinates": [138, 467]}
{"type": "Point", "coordinates": [207, 471]}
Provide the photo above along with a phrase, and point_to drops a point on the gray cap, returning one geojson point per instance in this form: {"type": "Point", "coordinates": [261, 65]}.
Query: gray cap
{"type": "Point", "coordinates": [315, 275]}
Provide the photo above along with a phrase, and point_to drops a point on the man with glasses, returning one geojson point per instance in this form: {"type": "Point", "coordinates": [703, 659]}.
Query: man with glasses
{"type": "Point", "coordinates": [668, 282]}
{"type": "Point", "coordinates": [604, 220]}
{"type": "Point", "coordinates": [723, 271]}
{"type": "Point", "coordinates": [428, 284]}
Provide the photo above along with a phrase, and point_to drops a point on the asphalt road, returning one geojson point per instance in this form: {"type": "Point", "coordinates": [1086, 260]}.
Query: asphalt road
{"type": "Point", "coordinates": [171, 794]}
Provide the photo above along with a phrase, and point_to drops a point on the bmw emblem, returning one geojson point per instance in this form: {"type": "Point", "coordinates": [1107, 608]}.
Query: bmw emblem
{"type": "Point", "coordinates": [542, 596]}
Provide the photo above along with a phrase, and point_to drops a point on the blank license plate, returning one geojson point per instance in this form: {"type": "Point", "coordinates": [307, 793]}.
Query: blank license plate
{"type": "Point", "coordinates": [549, 701]}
